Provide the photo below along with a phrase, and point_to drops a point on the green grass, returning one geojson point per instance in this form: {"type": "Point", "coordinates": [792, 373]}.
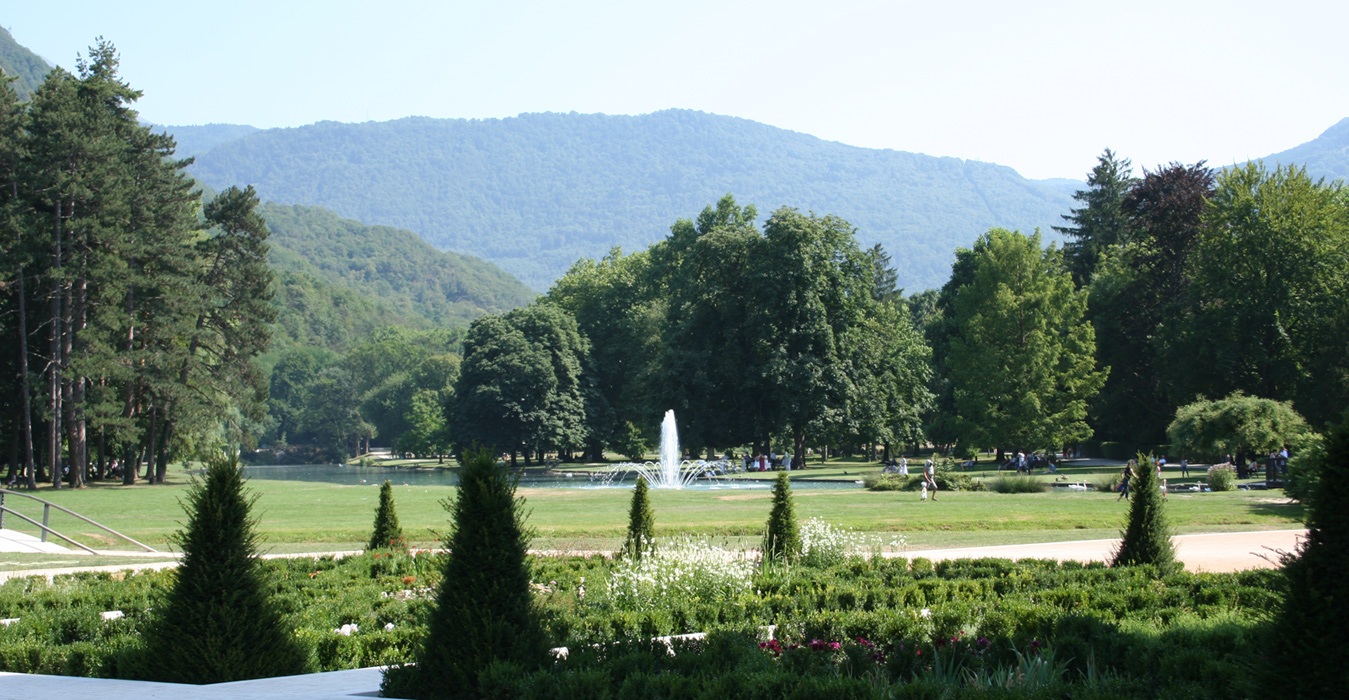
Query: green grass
{"type": "Point", "coordinates": [299, 516]}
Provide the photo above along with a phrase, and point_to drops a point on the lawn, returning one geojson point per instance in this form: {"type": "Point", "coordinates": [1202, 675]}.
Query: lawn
{"type": "Point", "coordinates": [303, 516]}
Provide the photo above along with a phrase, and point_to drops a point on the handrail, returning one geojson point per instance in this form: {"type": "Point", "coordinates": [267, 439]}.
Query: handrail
{"type": "Point", "coordinates": [49, 504]}
{"type": "Point", "coordinates": [46, 529]}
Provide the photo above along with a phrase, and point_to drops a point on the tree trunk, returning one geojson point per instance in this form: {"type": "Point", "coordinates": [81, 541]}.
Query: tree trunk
{"type": "Point", "coordinates": [29, 467]}
{"type": "Point", "coordinates": [150, 443]}
{"type": "Point", "coordinates": [77, 311]}
{"type": "Point", "coordinates": [161, 453]}
{"type": "Point", "coordinates": [54, 359]}
{"type": "Point", "coordinates": [799, 449]}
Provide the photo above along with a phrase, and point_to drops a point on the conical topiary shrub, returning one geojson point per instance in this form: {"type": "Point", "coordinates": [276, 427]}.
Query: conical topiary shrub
{"type": "Point", "coordinates": [484, 611]}
{"type": "Point", "coordinates": [217, 624]}
{"type": "Point", "coordinates": [641, 523]}
{"type": "Point", "coordinates": [1304, 654]}
{"type": "Point", "coordinates": [782, 538]}
{"type": "Point", "coordinates": [388, 534]}
{"type": "Point", "coordinates": [1147, 535]}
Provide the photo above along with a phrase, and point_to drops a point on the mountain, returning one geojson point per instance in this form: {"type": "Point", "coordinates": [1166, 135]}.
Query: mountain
{"type": "Point", "coordinates": [536, 192]}
{"type": "Point", "coordinates": [1325, 156]}
{"type": "Point", "coordinates": [18, 62]}
{"type": "Point", "coordinates": [199, 139]}
{"type": "Point", "coordinates": [392, 268]}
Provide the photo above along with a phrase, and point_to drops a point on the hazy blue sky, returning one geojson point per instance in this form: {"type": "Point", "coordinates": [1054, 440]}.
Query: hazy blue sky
{"type": "Point", "coordinates": [1039, 86]}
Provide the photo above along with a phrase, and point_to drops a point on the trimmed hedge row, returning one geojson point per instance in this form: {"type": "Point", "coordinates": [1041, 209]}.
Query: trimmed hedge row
{"type": "Point", "coordinates": [1180, 634]}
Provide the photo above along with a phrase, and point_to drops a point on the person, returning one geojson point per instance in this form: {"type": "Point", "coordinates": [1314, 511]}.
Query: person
{"type": "Point", "coordinates": [1124, 480]}
{"type": "Point", "coordinates": [903, 466]}
{"type": "Point", "coordinates": [787, 461]}
{"type": "Point", "coordinates": [930, 478]}
{"type": "Point", "coordinates": [1185, 468]}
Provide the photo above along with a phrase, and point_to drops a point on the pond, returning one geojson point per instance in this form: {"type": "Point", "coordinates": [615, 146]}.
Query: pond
{"type": "Point", "coordinates": [356, 475]}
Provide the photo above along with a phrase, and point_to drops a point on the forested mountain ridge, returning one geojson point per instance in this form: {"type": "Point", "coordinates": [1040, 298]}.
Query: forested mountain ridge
{"type": "Point", "coordinates": [1325, 156]}
{"type": "Point", "coordinates": [392, 268]}
{"type": "Point", "coordinates": [536, 192]}
{"type": "Point", "coordinates": [17, 61]}
{"type": "Point", "coordinates": [192, 140]}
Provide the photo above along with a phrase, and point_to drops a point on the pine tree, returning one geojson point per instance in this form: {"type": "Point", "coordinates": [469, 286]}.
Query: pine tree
{"type": "Point", "coordinates": [1147, 535]}
{"type": "Point", "coordinates": [388, 534]}
{"type": "Point", "coordinates": [484, 611]}
{"type": "Point", "coordinates": [641, 523]}
{"type": "Point", "coordinates": [1317, 597]}
{"type": "Point", "coordinates": [217, 624]}
{"type": "Point", "coordinates": [1101, 223]}
{"type": "Point", "coordinates": [782, 539]}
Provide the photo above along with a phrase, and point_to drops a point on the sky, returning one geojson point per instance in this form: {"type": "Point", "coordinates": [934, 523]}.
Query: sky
{"type": "Point", "coordinates": [1042, 87]}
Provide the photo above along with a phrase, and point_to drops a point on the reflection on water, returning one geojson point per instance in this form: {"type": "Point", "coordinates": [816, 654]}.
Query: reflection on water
{"type": "Point", "coordinates": [356, 475]}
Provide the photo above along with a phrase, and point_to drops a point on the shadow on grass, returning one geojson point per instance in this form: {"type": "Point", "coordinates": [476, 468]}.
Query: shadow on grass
{"type": "Point", "coordinates": [1288, 509]}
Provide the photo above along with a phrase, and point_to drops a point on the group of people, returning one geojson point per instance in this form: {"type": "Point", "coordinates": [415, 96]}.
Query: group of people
{"type": "Point", "coordinates": [769, 462]}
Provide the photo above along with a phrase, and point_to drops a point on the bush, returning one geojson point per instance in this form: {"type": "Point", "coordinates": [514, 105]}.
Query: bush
{"type": "Point", "coordinates": [1222, 477]}
{"type": "Point", "coordinates": [1304, 468]}
{"type": "Point", "coordinates": [782, 539]}
{"type": "Point", "coordinates": [218, 623]}
{"type": "Point", "coordinates": [1147, 536]}
{"type": "Point", "coordinates": [890, 482]}
{"type": "Point", "coordinates": [387, 533]}
{"type": "Point", "coordinates": [1007, 483]}
{"type": "Point", "coordinates": [948, 479]}
{"type": "Point", "coordinates": [1106, 482]}
{"type": "Point", "coordinates": [1318, 591]}
{"type": "Point", "coordinates": [641, 523]}
{"type": "Point", "coordinates": [484, 611]}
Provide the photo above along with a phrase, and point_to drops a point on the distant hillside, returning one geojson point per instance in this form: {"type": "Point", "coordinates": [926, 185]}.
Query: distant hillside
{"type": "Point", "coordinates": [536, 192]}
{"type": "Point", "coordinates": [19, 62]}
{"type": "Point", "coordinates": [1325, 156]}
{"type": "Point", "coordinates": [199, 139]}
{"type": "Point", "coordinates": [392, 268]}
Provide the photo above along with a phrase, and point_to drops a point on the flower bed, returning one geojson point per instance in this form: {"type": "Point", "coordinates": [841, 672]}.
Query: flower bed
{"type": "Point", "coordinates": [960, 623]}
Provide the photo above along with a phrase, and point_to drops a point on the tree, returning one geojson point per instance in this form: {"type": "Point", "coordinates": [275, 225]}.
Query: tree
{"type": "Point", "coordinates": [782, 538]}
{"type": "Point", "coordinates": [1271, 272]}
{"type": "Point", "coordinates": [428, 433]}
{"type": "Point", "coordinates": [484, 611]}
{"type": "Point", "coordinates": [217, 624]}
{"type": "Point", "coordinates": [523, 385]}
{"type": "Point", "coordinates": [1100, 224]}
{"type": "Point", "coordinates": [1022, 357]}
{"type": "Point", "coordinates": [1138, 299]}
{"type": "Point", "coordinates": [1146, 538]}
{"type": "Point", "coordinates": [1317, 594]}
{"type": "Point", "coordinates": [641, 523]}
{"type": "Point", "coordinates": [387, 532]}
{"type": "Point", "coordinates": [330, 414]}
{"type": "Point", "coordinates": [1238, 424]}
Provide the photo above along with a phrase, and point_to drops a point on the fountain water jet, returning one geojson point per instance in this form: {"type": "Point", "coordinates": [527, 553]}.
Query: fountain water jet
{"type": "Point", "coordinates": [671, 472]}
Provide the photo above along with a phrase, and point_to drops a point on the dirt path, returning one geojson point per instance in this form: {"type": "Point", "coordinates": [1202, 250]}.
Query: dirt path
{"type": "Point", "coordinates": [1212, 552]}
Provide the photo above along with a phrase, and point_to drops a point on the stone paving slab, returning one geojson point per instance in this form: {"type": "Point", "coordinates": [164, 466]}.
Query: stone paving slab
{"type": "Point", "coordinates": [15, 541]}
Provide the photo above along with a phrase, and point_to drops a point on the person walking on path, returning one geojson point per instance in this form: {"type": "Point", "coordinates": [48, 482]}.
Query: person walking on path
{"type": "Point", "coordinates": [1124, 481]}
{"type": "Point", "coordinates": [930, 478]}
{"type": "Point", "coordinates": [1185, 468]}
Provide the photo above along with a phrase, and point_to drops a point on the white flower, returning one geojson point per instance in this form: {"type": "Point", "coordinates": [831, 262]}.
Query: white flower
{"type": "Point", "coordinates": [925, 613]}
{"type": "Point", "coordinates": [388, 627]}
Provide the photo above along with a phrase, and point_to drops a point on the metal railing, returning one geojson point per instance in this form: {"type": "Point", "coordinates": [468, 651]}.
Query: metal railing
{"type": "Point", "coordinates": [46, 516]}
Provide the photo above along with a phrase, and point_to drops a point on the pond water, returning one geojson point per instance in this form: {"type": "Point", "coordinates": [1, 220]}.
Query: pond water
{"type": "Point", "coordinates": [356, 475]}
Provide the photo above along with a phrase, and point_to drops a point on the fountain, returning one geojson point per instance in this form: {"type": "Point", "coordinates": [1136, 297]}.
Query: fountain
{"type": "Point", "coordinates": [671, 472]}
